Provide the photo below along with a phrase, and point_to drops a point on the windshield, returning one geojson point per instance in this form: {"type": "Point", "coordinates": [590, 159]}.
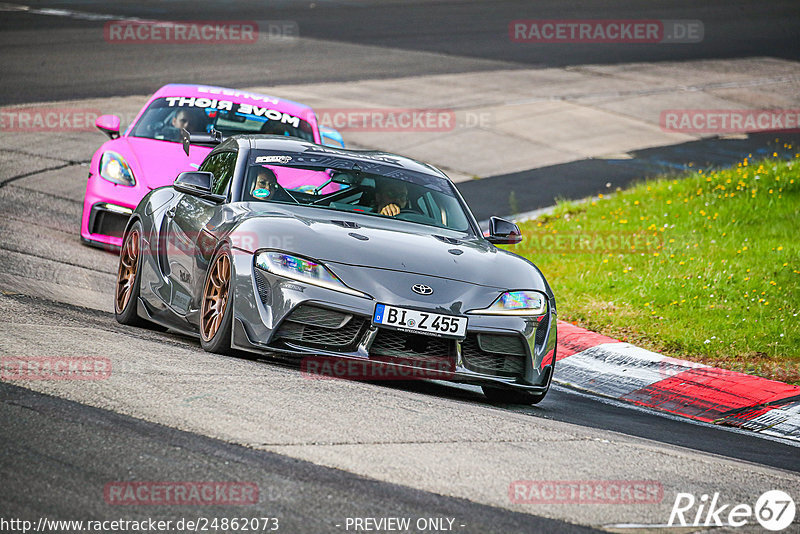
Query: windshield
{"type": "Point", "coordinates": [403, 195]}
{"type": "Point", "coordinates": [165, 117]}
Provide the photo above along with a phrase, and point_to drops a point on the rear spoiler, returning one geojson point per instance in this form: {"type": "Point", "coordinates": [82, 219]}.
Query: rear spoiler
{"type": "Point", "coordinates": [210, 139]}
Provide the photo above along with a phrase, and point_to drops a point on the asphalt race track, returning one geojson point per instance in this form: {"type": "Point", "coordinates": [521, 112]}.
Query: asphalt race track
{"type": "Point", "coordinates": [323, 452]}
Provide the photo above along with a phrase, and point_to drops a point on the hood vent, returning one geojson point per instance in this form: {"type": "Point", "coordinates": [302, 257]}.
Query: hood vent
{"type": "Point", "coordinates": [448, 240]}
{"type": "Point", "coordinates": [347, 224]}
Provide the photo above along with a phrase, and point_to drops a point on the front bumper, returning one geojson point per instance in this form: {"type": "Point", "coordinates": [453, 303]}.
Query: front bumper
{"type": "Point", "coordinates": [273, 314]}
{"type": "Point", "coordinates": [106, 209]}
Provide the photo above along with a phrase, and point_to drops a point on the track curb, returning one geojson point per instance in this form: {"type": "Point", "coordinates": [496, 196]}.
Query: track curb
{"type": "Point", "coordinates": [612, 368]}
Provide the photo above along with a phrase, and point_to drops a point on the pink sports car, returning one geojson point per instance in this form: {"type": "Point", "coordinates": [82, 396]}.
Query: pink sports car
{"type": "Point", "coordinates": [150, 154]}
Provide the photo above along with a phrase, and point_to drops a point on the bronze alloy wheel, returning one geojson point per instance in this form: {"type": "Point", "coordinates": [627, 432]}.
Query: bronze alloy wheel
{"type": "Point", "coordinates": [215, 297]}
{"type": "Point", "coordinates": [128, 264]}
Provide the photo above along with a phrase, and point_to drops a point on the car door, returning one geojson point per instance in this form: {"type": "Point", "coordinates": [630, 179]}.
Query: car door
{"type": "Point", "coordinates": [189, 242]}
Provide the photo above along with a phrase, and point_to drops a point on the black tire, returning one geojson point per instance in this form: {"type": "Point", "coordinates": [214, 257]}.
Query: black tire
{"type": "Point", "coordinates": [217, 338]}
{"type": "Point", "coordinates": [512, 396]}
{"type": "Point", "coordinates": [126, 292]}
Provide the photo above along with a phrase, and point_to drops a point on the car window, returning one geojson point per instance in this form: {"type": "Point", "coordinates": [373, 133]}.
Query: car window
{"type": "Point", "coordinates": [414, 198]}
{"type": "Point", "coordinates": [221, 165]}
{"type": "Point", "coordinates": [164, 118]}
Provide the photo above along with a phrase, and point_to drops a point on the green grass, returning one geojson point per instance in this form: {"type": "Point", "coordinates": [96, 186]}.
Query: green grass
{"type": "Point", "coordinates": [709, 270]}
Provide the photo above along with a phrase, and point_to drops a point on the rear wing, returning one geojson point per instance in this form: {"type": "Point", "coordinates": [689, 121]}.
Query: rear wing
{"type": "Point", "coordinates": [210, 139]}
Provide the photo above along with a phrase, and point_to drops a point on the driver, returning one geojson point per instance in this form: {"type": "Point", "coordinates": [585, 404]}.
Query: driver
{"type": "Point", "coordinates": [265, 185]}
{"type": "Point", "coordinates": [391, 196]}
{"type": "Point", "coordinates": [183, 118]}
{"type": "Point", "coordinates": [186, 118]}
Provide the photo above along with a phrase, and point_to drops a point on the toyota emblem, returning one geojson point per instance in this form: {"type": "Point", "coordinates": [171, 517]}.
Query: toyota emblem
{"type": "Point", "coordinates": [422, 289]}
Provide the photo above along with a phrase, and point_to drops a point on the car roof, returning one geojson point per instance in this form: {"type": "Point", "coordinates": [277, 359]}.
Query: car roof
{"type": "Point", "coordinates": [237, 96]}
{"type": "Point", "coordinates": [292, 147]}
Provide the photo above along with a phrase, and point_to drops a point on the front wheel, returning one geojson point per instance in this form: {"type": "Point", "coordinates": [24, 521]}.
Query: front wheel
{"type": "Point", "coordinates": [126, 295]}
{"type": "Point", "coordinates": [216, 312]}
{"type": "Point", "coordinates": [512, 396]}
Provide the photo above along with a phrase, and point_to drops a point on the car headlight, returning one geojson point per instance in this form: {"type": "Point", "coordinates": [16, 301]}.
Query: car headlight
{"type": "Point", "coordinates": [516, 303]}
{"type": "Point", "coordinates": [303, 270]}
{"type": "Point", "coordinates": [115, 169]}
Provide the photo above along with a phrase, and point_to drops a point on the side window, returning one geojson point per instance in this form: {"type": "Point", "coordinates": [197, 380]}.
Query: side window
{"type": "Point", "coordinates": [210, 164]}
{"type": "Point", "coordinates": [227, 164]}
{"type": "Point", "coordinates": [221, 165]}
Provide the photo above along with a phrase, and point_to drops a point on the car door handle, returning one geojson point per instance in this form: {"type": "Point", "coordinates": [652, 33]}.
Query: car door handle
{"type": "Point", "coordinates": [171, 212]}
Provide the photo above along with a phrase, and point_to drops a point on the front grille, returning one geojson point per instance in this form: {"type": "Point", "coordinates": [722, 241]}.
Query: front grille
{"type": "Point", "coordinates": [318, 327]}
{"type": "Point", "coordinates": [108, 222]}
{"type": "Point", "coordinates": [510, 345]}
{"type": "Point", "coordinates": [493, 363]}
{"type": "Point", "coordinates": [541, 330]}
{"type": "Point", "coordinates": [391, 345]}
{"type": "Point", "coordinates": [321, 317]}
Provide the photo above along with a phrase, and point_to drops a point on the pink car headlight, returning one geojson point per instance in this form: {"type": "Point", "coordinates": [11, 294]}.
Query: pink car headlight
{"type": "Point", "coordinates": [115, 169]}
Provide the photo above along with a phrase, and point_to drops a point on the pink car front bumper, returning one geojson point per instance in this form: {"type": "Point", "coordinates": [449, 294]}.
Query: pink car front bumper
{"type": "Point", "coordinates": [104, 221]}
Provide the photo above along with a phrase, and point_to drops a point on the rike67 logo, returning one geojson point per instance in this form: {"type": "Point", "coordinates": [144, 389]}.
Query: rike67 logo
{"type": "Point", "coordinates": [774, 510]}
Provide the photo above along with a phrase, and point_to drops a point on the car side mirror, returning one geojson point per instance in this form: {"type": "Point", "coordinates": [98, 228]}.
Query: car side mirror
{"type": "Point", "coordinates": [108, 124]}
{"type": "Point", "coordinates": [503, 232]}
{"type": "Point", "coordinates": [331, 137]}
{"type": "Point", "coordinates": [197, 183]}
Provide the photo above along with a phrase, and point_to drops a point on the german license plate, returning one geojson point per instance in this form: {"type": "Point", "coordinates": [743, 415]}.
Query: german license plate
{"type": "Point", "coordinates": [420, 322]}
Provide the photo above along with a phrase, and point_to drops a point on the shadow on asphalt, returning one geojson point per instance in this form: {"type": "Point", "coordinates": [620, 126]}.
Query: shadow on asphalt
{"type": "Point", "coordinates": [506, 194]}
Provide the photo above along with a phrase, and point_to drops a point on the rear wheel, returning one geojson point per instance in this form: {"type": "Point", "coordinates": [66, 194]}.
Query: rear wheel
{"type": "Point", "coordinates": [512, 396]}
{"type": "Point", "coordinates": [216, 313]}
{"type": "Point", "coordinates": [126, 295]}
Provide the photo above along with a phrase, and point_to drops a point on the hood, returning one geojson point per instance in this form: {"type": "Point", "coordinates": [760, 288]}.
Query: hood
{"type": "Point", "coordinates": [156, 163]}
{"type": "Point", "coordinates": [365, 241]}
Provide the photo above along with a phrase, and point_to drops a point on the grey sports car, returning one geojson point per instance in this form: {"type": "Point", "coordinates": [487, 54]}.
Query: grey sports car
{"type": "Point", "coordinates": [278, 245]}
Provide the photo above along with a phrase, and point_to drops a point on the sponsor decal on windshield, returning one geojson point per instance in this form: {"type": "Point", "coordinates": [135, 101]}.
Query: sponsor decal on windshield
{"type": "Point", "coordinates": [227, 105]}
{"type": "Point", "coordinates": [236, 94]}
{"type": "Point", "coordinates": [273, 159]}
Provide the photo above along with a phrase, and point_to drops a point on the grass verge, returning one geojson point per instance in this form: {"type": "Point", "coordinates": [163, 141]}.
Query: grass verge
{"type": "Point", "coordinates": [704, 267]}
